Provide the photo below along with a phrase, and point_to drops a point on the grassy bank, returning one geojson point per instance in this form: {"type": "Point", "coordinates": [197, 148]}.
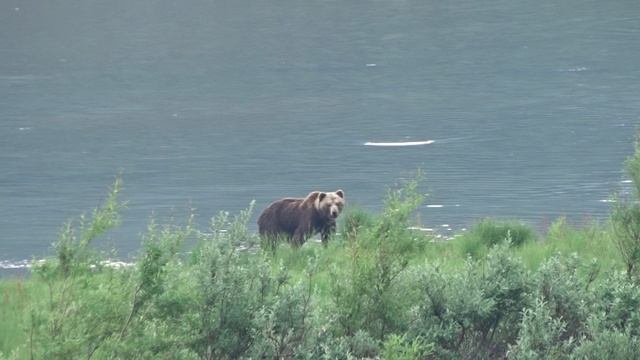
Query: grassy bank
{"type": "Point", "coordinates": [380, 289]}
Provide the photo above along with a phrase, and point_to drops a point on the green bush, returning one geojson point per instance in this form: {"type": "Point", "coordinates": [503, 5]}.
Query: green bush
{"type": "Point", "coordinates": [491, 232]}
{"type": "Point", "coordinates": [472, 313]}
{"type": "Point", "coordinates": [378, 294]}
{"type": "Point", "coordinates": [366, 294]}
{"type": "Point", "coordinates": [612, 328]}
{"type": "Point", "coordinates": [468, 245]}
{"type": "Point", "coordinates": [286, 320]}
{"type": "Point", "coordinates": [151, 316]}
{"type": "Point", "coordinates": [399, 347]}
{"type": "Point", "coordinates": [488, 233]}
{"type": "Point", "coordinates": [64, 324]}
{"type": "Point", "coordinates": [608, 345]}
{"type": "Point", "coordinates": [540, 336]}
{"type": "Point", "coordinates": [562, 287]}
{"type": "Point", "coordinates": [625, 218]}
{"type": "Point", "coordinates": [616, 306]}
{"type": "Point", "coordinates": [354, 221]}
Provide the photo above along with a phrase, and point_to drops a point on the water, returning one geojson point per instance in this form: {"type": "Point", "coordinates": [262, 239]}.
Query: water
{"type": "Point", "coordinates": [515, 109]}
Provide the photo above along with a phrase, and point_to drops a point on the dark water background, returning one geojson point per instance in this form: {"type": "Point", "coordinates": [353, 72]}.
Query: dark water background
{"type": "Point", "coordinates": [210, 104]}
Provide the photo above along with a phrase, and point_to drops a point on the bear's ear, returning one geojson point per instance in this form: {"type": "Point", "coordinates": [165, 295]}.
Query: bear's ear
{"type": "Point", "coordinates": [340, 193]}
{"type": "Point", "coordinates": [321, 196]}
{"type": "Point", "coordinates": [313, 196]}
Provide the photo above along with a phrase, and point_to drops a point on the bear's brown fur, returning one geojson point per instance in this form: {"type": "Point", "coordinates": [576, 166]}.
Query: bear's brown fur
{"type": "Point", "coordinates": [298, 218]}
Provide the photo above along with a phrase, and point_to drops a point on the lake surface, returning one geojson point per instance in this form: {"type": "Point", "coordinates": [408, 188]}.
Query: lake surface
{"type": "Point", "coordinates": [518, 109]}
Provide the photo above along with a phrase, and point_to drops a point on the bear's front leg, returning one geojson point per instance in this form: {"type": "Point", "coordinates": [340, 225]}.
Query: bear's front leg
{"type": "Point", "coordinates": [298, 238]}
{"type": "Point", "coordinates": [327, 231]}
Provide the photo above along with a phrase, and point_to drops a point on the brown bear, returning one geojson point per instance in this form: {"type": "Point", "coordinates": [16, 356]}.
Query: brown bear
{"type": "Point", "coordinates": [298, 218]}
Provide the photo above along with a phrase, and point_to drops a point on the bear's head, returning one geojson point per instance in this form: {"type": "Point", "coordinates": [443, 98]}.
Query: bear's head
{"type": "Point", "coordinates": [330, 204]}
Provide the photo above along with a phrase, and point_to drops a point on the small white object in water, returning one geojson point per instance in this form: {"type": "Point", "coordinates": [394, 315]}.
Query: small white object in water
{"type": "Point", "coordinates": [24, 128]}
{"type": "Point", "coordinates": [435, 206]}
{"type": "Point", "coordinates": [7, 264]}
{"type": "Point", "coordinates": [371, 65]}
{"type": "Point", "coordinates": [419, 228]}
{"type": "Point", "coordinates": [445, 225]}
{"type": "Point", "coordinates": [115, 264]}
{"type": "Point", "coordinates": [395, 144]}
{"type": "Point", "coordinates": [16, 9]}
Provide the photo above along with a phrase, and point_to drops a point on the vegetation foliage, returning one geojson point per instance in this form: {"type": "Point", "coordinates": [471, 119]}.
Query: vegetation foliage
{"type": "Point", "coordinates": [380, 290]}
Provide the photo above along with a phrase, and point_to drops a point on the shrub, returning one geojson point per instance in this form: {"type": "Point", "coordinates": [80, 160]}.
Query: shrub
{"type": "Point", "coordinates": [491, 232]}
{"type": "Point", "coordinates": [608, 345]}
{"type": "Point", "coordinates": [285, 321]}
{"type": "Point", "coordinates": [362, 345]}
{"type": "Point", "coordinates": [227, 293]}
{"type": "Point", "coordinates": [472, 313]}
{"type": "Point", "coordinates": [364, 294]}
{"type": "Point", "coordinates": [468, 245]}
{"type": "Point", "coordinates": [564, 290]}
{"type": "Point", "coordinates": [149, 321]}
{"type": "Point", "coordinates": [64, 324]}
{"type": "Point", "coordinates": [354, 221]}
{"type": "Point", "coordinates": [612, 330]}
{"type": "Point", "coordinates": [399, 347]}
{"type": "Point", "coordinates": [625, 218]}
{"type": "Point", "coordinates": [616, 306]}
{"type": "Point", "coordinates": [540, 335]}
{"type": "Point", "coordinates": [488, 233]}
{"type": "Point", "coordinates": [361, 298]}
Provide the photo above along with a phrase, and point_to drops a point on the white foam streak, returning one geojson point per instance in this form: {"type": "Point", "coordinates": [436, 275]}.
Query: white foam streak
{"type": "Point", "coordinates": [28, 264]}
{"type": "Point", "coordinates": [397, 144]}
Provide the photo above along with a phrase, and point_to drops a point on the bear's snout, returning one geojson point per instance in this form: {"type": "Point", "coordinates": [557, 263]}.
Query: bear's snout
{"type": "Point", "coordinates": [334, 212]}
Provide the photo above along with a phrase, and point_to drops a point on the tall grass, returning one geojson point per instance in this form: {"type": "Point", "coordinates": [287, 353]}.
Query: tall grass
{"type": "Point", "coordinates": [489, 232]}
{"type": "Point", "coordinates": [14, 305]}
{"type": "Point", "coordinates": [589, 242]}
